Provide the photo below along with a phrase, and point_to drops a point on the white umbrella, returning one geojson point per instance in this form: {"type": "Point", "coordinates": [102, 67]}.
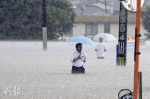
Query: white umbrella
{"type": "Point", "coordinates": [106, 37]}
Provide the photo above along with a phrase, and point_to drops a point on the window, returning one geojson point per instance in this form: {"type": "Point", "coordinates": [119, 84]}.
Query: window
{"type": "Point", "coordinates": [107, 28]}
{"type": "Point", "coordinates": [91, 29]}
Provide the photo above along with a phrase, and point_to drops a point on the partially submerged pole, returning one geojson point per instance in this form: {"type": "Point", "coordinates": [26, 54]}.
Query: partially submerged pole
{"type": "Point", "coordinates": [140, 85]}
{"type": "Point", "coordinates": [44, 28]}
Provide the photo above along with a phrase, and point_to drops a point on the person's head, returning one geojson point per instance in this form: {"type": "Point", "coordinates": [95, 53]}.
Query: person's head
{"type": "Point", "coordinates": [79, 47]}
{"type": "Point", "coordinates": [101, 39]}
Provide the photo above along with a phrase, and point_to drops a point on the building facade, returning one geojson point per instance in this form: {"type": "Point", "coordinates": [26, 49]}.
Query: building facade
{"type": "Point", "coordinates": [91, 25]}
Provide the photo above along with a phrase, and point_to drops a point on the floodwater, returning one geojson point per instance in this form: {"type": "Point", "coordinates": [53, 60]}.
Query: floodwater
{"type": "Point", "coordinates": [28, 72]}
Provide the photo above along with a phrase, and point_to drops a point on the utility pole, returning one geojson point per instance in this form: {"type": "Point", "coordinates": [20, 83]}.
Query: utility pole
{"type": "Point", "coordinates": [44, 28]}
{"type": "Point", "coordinates": [136, 57]}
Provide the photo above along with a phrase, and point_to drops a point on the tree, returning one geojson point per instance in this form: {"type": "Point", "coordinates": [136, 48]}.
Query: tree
{"type": "Point", "coordinates": [146, 20]}
{"type": "Point", "coordinates": [60, 16]}
{"type": "Point", "coordinates": [22, 19]}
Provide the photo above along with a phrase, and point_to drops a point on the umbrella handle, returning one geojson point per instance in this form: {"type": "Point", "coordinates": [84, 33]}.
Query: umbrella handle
{"type": "Point", "coordinates": [80, 55]}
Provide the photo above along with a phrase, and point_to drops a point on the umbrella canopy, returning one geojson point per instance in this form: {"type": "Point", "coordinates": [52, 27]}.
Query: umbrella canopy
{"type": "Point", "coordinates": [83, 40]}
{"type": "Point", "coordinates": [106, 37]}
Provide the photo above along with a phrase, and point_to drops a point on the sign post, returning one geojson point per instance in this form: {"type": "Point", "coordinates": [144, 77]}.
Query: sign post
{"type": "Point", "coordinates": [122, 39]}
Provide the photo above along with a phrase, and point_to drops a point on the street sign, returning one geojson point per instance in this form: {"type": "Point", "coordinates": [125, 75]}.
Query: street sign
{"type": "Point", "coordinates": [122, 39]}
{"type": "Point", "coordinates": [131, 5]}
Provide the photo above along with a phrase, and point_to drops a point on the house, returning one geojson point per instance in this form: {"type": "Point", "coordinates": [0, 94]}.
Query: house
{"type": "Point", "coordinates": [90, 25]}
{"type": "Point", "coordinates": [92, 7]}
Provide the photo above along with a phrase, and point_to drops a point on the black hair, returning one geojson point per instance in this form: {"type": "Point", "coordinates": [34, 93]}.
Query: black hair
{"type": "Point", "coordinates": [78, 44]}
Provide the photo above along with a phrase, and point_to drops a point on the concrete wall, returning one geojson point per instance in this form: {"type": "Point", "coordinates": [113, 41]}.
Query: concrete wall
{"type": "Point", "coordinates": [78, 30]}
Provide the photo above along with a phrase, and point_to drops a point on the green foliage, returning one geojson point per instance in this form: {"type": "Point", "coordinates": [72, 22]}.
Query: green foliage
{"type": "Point", "coordinates": [22, 19]}
{"type": "Point", "coordinates": [146, 20]}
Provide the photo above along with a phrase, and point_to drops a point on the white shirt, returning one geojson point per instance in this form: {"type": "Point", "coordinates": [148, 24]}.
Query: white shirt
{"type": "Point", "coordinates": [78, 62]}
{"type": "Point", "coordinates": [100, 49]}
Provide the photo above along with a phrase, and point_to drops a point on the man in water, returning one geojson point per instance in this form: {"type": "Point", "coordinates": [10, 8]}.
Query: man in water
{"type": "Point", "coordinates": [78, 58]}
{"type": "Point", "coordinates": [101, 49]}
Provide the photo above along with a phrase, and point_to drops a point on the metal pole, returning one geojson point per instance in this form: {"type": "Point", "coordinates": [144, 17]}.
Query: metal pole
{"type": "Point", "coordinates": [44, 28]}
{"type": "Point", "coordinates": [138, 15]}
{"type": "Point", "coordinates": [140, 85]}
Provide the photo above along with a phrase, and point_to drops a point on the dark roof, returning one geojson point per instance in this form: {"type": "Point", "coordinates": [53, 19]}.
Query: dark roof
{"type": "Point", "coordinates": [103, 19]}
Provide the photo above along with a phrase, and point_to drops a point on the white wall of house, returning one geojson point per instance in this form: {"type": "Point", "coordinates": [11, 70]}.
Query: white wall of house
{"type": "Point", "coordinates": [131, 30]}
{"type": "Point", "coordinates": [100, 28]}
{"type": "Point", "coordinates": [114, 30]}
{"type": "Point", "coordinates": [78, 30]}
